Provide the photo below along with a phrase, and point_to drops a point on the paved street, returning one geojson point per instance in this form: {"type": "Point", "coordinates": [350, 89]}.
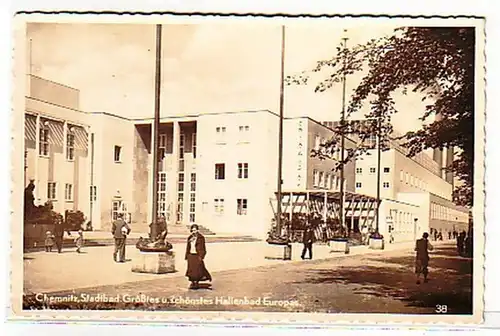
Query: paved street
{"type": "Point", "coordinates": [364, 281]}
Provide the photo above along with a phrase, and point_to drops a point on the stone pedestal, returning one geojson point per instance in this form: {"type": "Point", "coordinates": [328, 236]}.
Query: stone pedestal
{"type": "Point", "coordinates": [280, 252]}
{"type": "Point", "coordinates": [376, 244]}
{"type": "Point", "coordinates": [154, 262]}
{"type": "Point", "coordinates": [339, 246]}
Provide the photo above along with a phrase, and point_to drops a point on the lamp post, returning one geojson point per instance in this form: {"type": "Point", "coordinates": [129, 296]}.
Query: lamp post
{"type": "Point", "coordinates": [156, 125]}
{"type": "Point", "coordinates": [280, 133]}
{"type": "Point", "coordinates": [342, 138]}
{"type": "Point", "coordinates": [379, 152]}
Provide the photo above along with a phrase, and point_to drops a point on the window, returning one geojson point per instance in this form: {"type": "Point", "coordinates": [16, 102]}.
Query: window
{"type": "Point", "coordinates": [221, 134]}
{"type": "Point", "coordinates": [242, 170]}
{"type": "Point", "coordinates": [162, 146]}
{"type": "Point", "coordinates": [44, 141]}
{"type": "Point", "coordinates": [243, 134]}
{"type": "Point", "coordinates": [317, 142]}
{"type": "Point", "coordinates": [315, 178]}
{"type": "Point", "coordinates": [193, 144]}
{"type": "Point", "coordinates": [220, 171]}
{"type": "Point", "coordinates": [181, 177]}
{"type": "Point", "coordinates": [407, 178]}
{"type": "Point", "coordinates": [401, 175]}
{"type": "Point", "coordinates": [115, 210]}
{"type": "Point", "coordinates": [327, 181]}
{"type": "Point", "coordinates": [70, 147]}
{"type": "Point", "coordinates": [51, 191]}
{"type": "Point", "coordinates": [333, 181]}
{"type": "Point", "coordinates": [118, 153]}
{"type": "Point", "coordinates": [242, 205]}
{"type": "Point", "coordinates": [162, 195]}
{"type": "Point", "coordinates": [193, 181]}
{"type": "Point", "coordinates": [386, 185]}
{"type": "Point", "coordinates": [321, 179]}
{"type": "Point", "coordinates": [93, 193]}
{"type": "Point", "coordinates": [219, 206]}
{"type": "Point", "coordinates": [372, 170]}
{"type": "Point", "coordinates": [359, 170]}
{"type": "Point", "coordinates": [68, 192]}
{"type": "Point", "coordinates": [358, 184]}
{"type": "Point", "coordinates": [387, 169]}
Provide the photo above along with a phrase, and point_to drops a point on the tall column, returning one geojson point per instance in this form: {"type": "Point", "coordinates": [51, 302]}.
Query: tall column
{"type": "Point", "coordinates": [37, 156]}
{"type": "Point", "coordinates": [176, 136]}
{"type": "Point", "coordinates": [449, 162]}
{"type": "Point", "coordinates": [150, 175]}
{"type": "Point", "coordinates": [437, 154]}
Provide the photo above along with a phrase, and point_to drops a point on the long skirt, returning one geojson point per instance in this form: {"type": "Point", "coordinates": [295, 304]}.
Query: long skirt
{"type": "Point", "coordinates": [421, 266]}
{"type": "Point", "coordinates": [196, 270]}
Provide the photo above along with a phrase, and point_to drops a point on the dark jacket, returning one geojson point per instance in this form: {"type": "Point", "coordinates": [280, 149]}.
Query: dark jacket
{"type": "Point", "coordinates": [59, 230]}
{"type": "Point", "coordinates": [200, 247]}
{"type": "Point", "coordinates": [308, 236]}
{"type": "Point", "coordinates": [116, 229]}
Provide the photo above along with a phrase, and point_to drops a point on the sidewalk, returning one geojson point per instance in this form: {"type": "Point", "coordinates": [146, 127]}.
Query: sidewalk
{"type": "Point", "coordinates": [49, 272]}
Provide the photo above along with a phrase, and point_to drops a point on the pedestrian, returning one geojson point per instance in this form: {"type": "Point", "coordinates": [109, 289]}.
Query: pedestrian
{"type": "Point", "coordinates": [120, 230]}
{"type": "Point", "coordinates": [449, 235]}
{"type": "Point", "coordinates": [324, 232]}
{"type": "Point", "coordinates": [307, 240]}
{"type": "Point", "coordinates": [435, 235]}
{"type": "Point", "coordinates": [422, 247]}
{"type": "Point", "coordinates": [365, 235]}
{"type": "Point", "coordinates": [59, 234]}
{"type": "Point", "coordinates": [49, 241]}
{"type": "Point", "coordinates": [195, 254]}
{"type": "Point", "coordinates": [440, 235]}
{"type": "Point", "coordinates": [460, 243]}
{"type": "Point", "coordinates": [79, 241]}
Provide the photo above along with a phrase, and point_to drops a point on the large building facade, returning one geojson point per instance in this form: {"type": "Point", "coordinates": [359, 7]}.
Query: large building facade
{"type": "Point", "coordinates": [218, 170]}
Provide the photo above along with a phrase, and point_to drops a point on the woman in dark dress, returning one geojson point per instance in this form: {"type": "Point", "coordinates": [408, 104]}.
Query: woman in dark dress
{"type": "Point", "coordinates": [195, 253]}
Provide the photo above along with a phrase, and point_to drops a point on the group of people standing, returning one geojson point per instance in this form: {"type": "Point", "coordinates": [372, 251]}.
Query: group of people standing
{"type": "Point", "coordinates": [195, 251]}
{"type": "Point", "coordinates": [56, 238]}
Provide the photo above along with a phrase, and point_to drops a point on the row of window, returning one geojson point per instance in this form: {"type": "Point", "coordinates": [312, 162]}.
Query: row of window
{"type": "Point", "coordinates": [325, 180]}
{"type": "Point", "coordinates": [385, 185]}
{"type": "Point", "coordinates": [52, 191]}
{"type": "Point", "coordinates": [43, 142]}
{"type": "Point", "coordinates": [220, 171]}
{"type": "Point", "coordinates": [222, 129]}
{"type": "Point", "coordinates": [220, 134]}
{"type": "Point", "coordinates": [373, 170]}
{"type": "Point", "coordinates": [412, 180]}
{"type": "Point", "coordinates": [241, 206]}
{"type": "Point", "coordinates": [441, 212]}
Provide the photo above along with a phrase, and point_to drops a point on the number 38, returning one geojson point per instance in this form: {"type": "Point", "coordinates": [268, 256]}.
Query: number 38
{"type": "Point", "coordinates": [442, 309]}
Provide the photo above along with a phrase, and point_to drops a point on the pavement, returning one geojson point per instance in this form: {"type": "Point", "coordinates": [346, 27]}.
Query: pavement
{"type": "Point", "coordinates": [51, 271]}
{"type": "Point", "coordinates": [365, 281]}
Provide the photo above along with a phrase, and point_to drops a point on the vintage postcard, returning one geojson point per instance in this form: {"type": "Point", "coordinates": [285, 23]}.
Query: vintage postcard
{"type": "Point", "coordinates": [245, 169]}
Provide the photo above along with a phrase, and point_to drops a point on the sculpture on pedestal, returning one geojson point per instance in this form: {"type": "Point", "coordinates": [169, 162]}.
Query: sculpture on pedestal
{"type": "Point", "coordinates": [158, 243]}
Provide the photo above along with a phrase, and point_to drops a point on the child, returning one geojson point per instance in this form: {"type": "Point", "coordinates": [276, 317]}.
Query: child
{"type": "Point", "coordinates": [79, 240]}
{"type": "Point", "coordinates": [49, 241]}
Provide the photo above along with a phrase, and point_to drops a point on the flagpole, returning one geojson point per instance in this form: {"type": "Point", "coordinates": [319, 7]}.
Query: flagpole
{"type": "Point", "coordinates": [156, 126]}
{"type": "Point", "coordinates": [280, 134]}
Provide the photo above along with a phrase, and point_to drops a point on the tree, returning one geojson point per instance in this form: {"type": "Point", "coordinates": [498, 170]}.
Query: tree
{"type": "Point", "coordinates": [435, 62]}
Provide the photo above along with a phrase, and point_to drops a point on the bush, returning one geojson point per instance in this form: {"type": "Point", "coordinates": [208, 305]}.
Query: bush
{"type": "Point", "coordinates": [74, 220]}
{"type": "Point", "coordinates": [376, 235]}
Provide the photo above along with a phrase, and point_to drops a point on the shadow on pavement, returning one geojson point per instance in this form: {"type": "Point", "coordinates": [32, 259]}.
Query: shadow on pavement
{"type": "Point", "coordinates": [450, 280]}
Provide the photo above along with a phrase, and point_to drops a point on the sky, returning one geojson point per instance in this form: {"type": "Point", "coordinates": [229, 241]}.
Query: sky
{"type": "Point", "coordinates": [206, 68]}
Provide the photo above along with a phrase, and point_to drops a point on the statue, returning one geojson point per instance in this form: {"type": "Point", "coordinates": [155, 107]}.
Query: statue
{"type": "Point", "coordinates": [158, 243]}
{"type": "Point", "coordinates": [29, 200]}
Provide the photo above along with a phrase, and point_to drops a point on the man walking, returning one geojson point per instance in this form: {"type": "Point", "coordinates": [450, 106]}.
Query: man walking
{"type": "Point", "coordinates": [307, 240]}
{"type": "Point", "coordinates": [422, 247]}
{"type": "Point", "coordinates": [120, 230]}
{"type": "Point", "coordinates": [59, 234]}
